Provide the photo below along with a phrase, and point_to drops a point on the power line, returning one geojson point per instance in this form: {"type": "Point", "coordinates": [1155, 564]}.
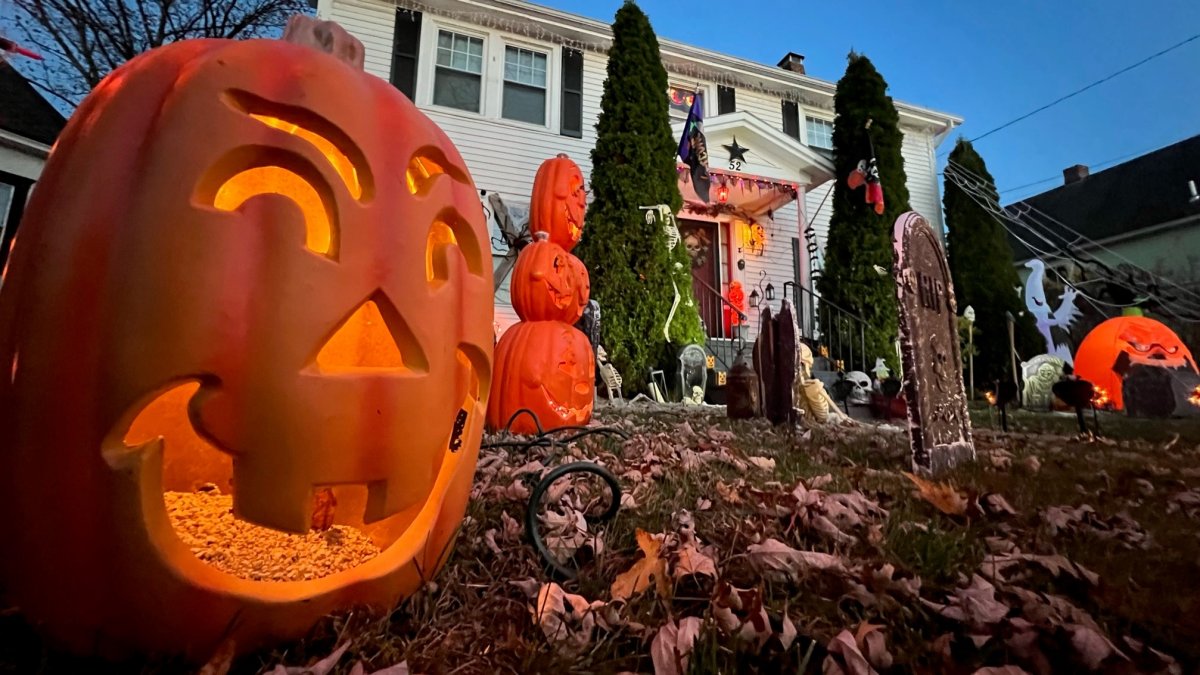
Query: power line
{"type": "Point", "coordinates": [1079, 91]}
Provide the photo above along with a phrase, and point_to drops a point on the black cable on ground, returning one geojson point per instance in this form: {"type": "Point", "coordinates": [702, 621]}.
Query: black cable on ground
{"type": "Point", "coordinates": [545, 438]}
{"type": "Point", "coordinates": [557, 569]}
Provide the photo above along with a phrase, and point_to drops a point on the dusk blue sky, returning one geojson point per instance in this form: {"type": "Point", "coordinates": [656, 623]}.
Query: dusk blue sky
{"type": "Point", "coordinates": [987, 62]}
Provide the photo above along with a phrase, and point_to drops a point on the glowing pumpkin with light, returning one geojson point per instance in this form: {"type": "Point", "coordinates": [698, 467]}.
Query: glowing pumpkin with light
{"type": "Point", "coordinates": [559, 202]}
{"type": "Point", "coordinates": [548, 368]}
{"type": "Point", "coordinates": [549, 284]}
{"type": "Point", "coordinates": [1125, 341]}
{"type": "Point", "coordinates": [221, 289]}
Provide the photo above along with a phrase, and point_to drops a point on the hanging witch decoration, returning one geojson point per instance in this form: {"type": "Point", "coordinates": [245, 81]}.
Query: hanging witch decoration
{"type": "Point", "coordinates": [867, 173]}
{"type": "Point", "coordinates": [693, 148]}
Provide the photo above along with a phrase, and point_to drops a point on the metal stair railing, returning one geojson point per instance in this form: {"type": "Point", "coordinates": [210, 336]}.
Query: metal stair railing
{"type": "Point", "coordinates": [724, 350]}
{"type": "Point", "coordinates": [842, 333]}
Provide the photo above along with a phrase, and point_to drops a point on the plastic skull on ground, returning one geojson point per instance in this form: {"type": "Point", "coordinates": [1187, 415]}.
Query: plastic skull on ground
{"type": "Point", "coordinates": [860, 394]}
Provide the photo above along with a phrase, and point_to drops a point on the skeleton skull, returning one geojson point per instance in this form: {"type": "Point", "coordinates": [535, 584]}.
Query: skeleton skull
{"type": "Point", "coordinates": [860, 394]}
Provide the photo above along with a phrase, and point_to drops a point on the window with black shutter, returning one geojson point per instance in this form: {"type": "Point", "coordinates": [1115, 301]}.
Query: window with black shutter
{"type": "Point", "coordinates": [572, 93]}
{"type": "Point", "coordinates": [406, 44]}
{"type": "Point", "coordinates": [726, 100]}
{"type": "Point", "coordinates": [791, 119]}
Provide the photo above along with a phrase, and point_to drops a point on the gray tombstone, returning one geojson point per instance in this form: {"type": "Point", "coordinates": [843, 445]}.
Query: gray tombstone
{"type": "Point", "coordinates": [1040, 373]}
{"type": "Point", "coordinates": [939, 427]}
{"type": "Point", "coordinates": [693, 371]}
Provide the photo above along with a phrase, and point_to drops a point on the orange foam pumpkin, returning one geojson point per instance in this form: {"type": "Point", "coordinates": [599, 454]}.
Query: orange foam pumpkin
{"type": "Point", "coordinates": [242, 300]}
{"type": "Point", "coordinates": [559, 202]}
{"type": "Point", "coordinates": [1128, 340]}
{"type": "Point", "coordinates": [548, 368]}
{"type": "Point", "coordinates": [549, 284]}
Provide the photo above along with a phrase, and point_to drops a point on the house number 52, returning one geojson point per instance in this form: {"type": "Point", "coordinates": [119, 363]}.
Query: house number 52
{"type": "Point", "coordinates": [735, 165]}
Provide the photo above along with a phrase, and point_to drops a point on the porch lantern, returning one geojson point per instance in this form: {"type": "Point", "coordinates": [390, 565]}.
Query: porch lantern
{"type": "Point", "coordinates": [770, 292]}
{"type": "Point", "coordinates": [754, 298]}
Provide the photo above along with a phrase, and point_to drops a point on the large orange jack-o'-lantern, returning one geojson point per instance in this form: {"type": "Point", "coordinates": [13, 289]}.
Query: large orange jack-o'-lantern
{"type": "Point", "coordinates": [1119, 343]}
{"type": "Point", "coordinates": [559, 201]}
{"type": "Point", "coordinates": [548, 368]}
{"type": "Point", "coordinates": [549, 284]}
{"type": "Point", "coordinates": [252, 277]}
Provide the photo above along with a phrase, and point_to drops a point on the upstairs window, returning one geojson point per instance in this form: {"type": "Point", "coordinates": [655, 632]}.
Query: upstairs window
{"type": "Point", "coordinates": [820, 133]}
{"type": "Point", "coordinates": [458, 80]}
{"type": "Point", "coordinates": [524, 86]}
{"type": "Point", "coordinates": [679, 99]}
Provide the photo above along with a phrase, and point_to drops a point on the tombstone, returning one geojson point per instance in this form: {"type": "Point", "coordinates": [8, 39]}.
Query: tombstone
{"type": "Point", "coordinates": [693, 372]}
{"type": "Point", "coordinates": [939, 428]}
{"type": "Point", "coordinates": [779, 408]}
{"type": "Point", "coordinates": [741, 393]}
{"type": "Point", "coordinates": [764, 358]}
{"type": "Point", "coordinates": [1040, 373]}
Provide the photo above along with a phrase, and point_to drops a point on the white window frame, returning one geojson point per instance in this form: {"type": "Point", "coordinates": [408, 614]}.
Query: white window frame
{"type": "Point", "coordinates": [804, 117]}
{"type": "Point", "coordinates": [492, 88]}
{"type": "Point", "coordinates": [427, 65]}
{"type": "Point", "coordinates": [553, 80]}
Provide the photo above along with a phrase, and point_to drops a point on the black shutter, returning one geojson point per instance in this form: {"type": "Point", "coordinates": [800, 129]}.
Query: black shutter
{"type": "Point", "coordinates": [406, 45]}
{"type": "Point", "coordinates": [791, 119]}
{"type": "Point", "coordinates": [571, 123]}
{"type": "Point", "coordinates": [726, 100]}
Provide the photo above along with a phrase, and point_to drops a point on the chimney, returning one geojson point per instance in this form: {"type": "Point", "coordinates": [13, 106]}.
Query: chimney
{"type": "Point", "coordinates": [793, 62]}
{"type": "Point", "coordinates": [1075, 174]}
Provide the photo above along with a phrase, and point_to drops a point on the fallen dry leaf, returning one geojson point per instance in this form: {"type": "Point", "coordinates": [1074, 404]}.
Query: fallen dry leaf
{"type": "Point", "coordinates": [1091, 647]}
{"type": "Point", "coordinates": [651, 568]}
{"type": "Point", "coordinates": [845, 658]}
{"type": "Point", "coordinates": [565, 619]}
{"type": "Point", "coordinates": [671, 649]}
{"type": "Point", "coordinates": [322, 667]}
{"type": "Point", "coordinates": [774, 556]}
{"type": "Point", "coordinates": [764, 463]}
{"type": "Point", "coordinates": [221, 660]}
{"type": "Point", "coordinates": [1001, 670]}
{"type": "Point", "coordinates": [943, 496]}
{"type": "Point", "coordinates": [975, 606]}
{"type": "Point", "coordinates": [691, 561]}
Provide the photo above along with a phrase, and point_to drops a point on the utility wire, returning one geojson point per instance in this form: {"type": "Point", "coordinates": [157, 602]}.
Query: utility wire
{"type": "Point", "coordinates": [1079, 91]}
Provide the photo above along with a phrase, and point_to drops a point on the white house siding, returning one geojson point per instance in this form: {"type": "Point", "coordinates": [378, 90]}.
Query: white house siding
{"type": "Point", "coordinates": [923, 193]}
{"type": "Point", "coordinates": [503, 156]}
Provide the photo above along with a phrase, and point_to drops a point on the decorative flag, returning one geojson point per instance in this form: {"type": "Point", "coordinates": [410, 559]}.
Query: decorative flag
{"type": "Point", "coordinates": [14, 48]}
{"type": "Point", "coordinates": [693, 148]}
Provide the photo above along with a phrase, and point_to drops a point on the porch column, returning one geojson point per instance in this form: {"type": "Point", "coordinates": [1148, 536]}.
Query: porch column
{"type": "Point", "coordinates": [801, 300]}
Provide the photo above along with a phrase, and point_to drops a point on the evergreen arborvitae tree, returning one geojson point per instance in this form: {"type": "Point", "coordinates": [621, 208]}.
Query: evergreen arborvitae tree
{"type": "Point", "coordinates": [859, 238]}
{"type": "Point", "coordinates": [633, 165]}
{"type": "Point", "coordinates": [981, 263]}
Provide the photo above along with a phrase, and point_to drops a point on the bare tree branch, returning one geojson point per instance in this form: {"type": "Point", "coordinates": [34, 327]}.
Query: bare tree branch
{"type": "Point", "coordinates": [84, 40]}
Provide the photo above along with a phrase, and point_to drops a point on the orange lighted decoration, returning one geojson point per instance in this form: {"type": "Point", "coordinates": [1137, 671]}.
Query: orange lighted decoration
{"type": "Point", "coordinates": [548, 368]}
{"type": "Point", "coordinates": [545, 364]}
{"type": "Point", "coordinates": [1194, 397]}
{"type": "Point", "coordinates": [559, 202]}
{"type": "Point", "coordinates": [1115, 345]}
{"type": "Point", "coordinates": [246, 310]}
{"type": "Point", "coordinates": [1100, 399]}
{"type": "Point", "coordinates": [737, 298]}
{"type": "Point", "coordinates": [549, 284]}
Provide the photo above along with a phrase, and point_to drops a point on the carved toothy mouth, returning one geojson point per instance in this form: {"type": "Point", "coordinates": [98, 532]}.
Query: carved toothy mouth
{"type": "Point", "coordinates": [565, 411]}
{"type": "Point", "coordinates": [187, 500]}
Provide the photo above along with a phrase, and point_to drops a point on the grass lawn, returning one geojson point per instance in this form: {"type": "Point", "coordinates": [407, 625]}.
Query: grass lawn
{"type": "Point", "coordinates": [793, 551]}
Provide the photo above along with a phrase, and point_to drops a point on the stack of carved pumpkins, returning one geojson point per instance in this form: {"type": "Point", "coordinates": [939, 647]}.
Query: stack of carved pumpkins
{"type": "Point", "coordinates": [543, 363]}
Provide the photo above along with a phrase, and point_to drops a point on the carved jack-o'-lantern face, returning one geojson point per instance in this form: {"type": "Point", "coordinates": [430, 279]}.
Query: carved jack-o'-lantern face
{"type": "Point", "coordinates": [1120, 343]}
{"type": "Point", "coordinates": [548, 368]}
{"type": "Point", "coordinates": [559, 202]}
{"type": "Point", "coordinates": [271, 291]}
{"type": "Point", "coordinates": [549, 284]}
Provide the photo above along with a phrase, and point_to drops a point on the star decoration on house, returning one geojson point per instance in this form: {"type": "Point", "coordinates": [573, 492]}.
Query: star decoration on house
{"type": "Point", "coordinates": [736, 151]}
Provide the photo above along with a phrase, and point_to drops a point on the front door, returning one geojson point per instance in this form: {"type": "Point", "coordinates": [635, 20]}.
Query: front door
{"type": "Point", "coordinates": [703, 247]}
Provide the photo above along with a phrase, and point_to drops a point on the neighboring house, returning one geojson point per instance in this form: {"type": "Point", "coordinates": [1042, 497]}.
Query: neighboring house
{"type": "Point", "coordinates": [1143, 213]}
{"type": "Point", "coordinates": [514, 83]}
{"type": "Point", "coordinates": [28, 127]}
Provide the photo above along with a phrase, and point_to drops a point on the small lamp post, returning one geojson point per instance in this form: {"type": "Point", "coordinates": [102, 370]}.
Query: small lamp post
{"type": "Point", "coordinates": [969, 315]}
{"type": "Point", "coordinates": [1012, 347]}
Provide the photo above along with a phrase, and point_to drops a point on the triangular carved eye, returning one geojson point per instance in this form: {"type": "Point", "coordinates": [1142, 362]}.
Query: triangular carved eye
{"type": "Point", "coordinates": [374, 337]}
